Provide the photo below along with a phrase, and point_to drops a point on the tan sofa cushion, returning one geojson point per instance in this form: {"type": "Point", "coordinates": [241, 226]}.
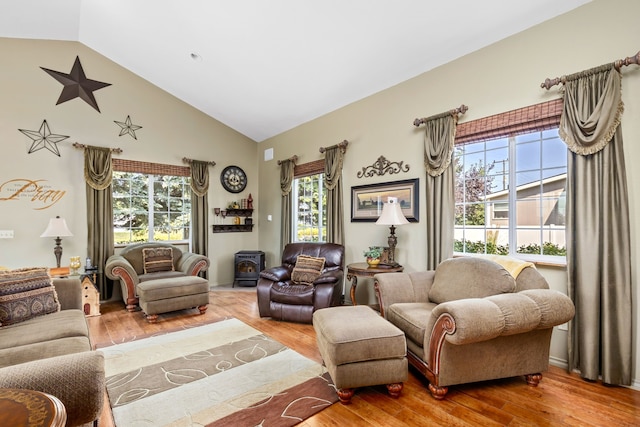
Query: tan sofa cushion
{"type": "Point", "coordinates": [459, 278]}
{"type": "Point", "coordinates": [55, 334]}
{"type": "Point", "coordinates": [412, 318]}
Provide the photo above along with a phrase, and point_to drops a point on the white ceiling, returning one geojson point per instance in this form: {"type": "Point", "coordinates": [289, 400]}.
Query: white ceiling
{"type": "Point", "coordinates": [267, 66]}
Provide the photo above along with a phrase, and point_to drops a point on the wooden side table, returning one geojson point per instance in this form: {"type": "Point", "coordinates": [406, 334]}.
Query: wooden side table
{"type": "Point", "coordinates": [21, 407]}
{"type": "Point", "coordinates": [362, 269]}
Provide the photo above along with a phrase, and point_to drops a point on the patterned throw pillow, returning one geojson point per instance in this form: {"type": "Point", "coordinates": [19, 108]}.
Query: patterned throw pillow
{"type": "Point", "coordinates": [26, 293]}
{"type": "Point", "coordinates": [307, 269]}
{"type": "Point", "coordinates": [157, 259]}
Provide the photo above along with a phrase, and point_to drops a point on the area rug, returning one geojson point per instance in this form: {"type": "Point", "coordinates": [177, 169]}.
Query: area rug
{"type": "Point", "coordinates": [220, 374]}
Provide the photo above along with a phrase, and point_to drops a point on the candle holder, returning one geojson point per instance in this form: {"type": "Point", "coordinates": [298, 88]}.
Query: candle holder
{"type": "Point", "coordinates": [74, 264]}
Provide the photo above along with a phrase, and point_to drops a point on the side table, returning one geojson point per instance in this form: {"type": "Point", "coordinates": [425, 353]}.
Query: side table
{"type": "Point", "coordinates": [21, 407]}
{"type": "Point", "coordinates": [362, 269]}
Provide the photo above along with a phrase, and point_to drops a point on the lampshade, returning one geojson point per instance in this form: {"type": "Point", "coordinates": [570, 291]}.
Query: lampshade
{"type": "Point", "coordinates": [57, 228]}
{"type": "Point", "coordinates": [392, 213]}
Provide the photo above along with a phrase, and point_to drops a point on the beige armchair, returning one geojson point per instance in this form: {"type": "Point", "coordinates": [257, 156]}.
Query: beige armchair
{"type": "Point", "coordinates": [130, 269]}
{"type": "Point", "coordinates": [470, 320]}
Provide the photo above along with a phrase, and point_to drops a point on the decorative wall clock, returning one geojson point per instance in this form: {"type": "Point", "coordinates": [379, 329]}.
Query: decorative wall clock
{"type": "Point", "coordinates": [233, 179]}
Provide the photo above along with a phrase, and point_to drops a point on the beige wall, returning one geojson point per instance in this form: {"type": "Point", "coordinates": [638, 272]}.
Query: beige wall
{"type": "Point", "coordinates": [171, 130]}
{"type": "Point", "coordinates": [501, 77]}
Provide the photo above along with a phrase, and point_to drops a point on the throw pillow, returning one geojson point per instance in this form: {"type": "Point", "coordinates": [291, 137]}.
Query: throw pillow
{"type": "Point", "coordinates": [307, 269]}
{"type": "Point", "coordinates": [26, 293]}
{"type": "Point", "coordinates": [157, 259]}
{"type": "Point", "coordinates": [469, 277]}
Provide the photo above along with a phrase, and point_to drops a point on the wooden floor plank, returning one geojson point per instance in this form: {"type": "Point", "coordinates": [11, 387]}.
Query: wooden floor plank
{"type": "Point", "coordinates": [561, 399]}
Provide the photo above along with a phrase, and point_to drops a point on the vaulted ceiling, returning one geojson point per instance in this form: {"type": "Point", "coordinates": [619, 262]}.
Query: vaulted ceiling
{"type": "Point", "coordinates": [263, 67]}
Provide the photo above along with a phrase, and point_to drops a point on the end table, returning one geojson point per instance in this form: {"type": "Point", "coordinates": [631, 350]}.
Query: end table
{"type": "Point", "coordinates": [362, 269]}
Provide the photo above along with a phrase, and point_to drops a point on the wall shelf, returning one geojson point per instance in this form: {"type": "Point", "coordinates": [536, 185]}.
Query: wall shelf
{"type": "Point", "coordinates": [230, 228]}
{"type": "Point", "coordinates": [234, 228]}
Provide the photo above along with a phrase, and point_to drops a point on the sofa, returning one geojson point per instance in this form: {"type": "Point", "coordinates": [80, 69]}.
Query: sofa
{"type": "Point", "coordinates": [473, 319]}
{"type": "Point", "coordinates": [142, 262]}
{"type": "Point", "coordinates": [50, 350]}
{"type": "Point", "coordinates": [309, 278]}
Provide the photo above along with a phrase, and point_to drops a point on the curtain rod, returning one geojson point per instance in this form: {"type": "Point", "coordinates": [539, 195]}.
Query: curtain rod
{"type": "Point", "coordinates": [187, 160]}
{"type": "Point", "coordinates": [82, 146]}
{"type": "Point", "coordinates": [342, 144]}
{"type": "Point", "coordinates": [294, 158]}
{"type": "Point", "coordinates": [635, 59]}
{"type": "Point", "coordinates": [460, 110]}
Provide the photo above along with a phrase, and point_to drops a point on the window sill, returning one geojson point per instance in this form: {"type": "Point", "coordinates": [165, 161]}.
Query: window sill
{"type": "Point", "coordinates": [540, 261]}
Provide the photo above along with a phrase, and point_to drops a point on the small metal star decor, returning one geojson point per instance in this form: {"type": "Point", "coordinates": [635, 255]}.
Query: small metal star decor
{"type": "Point", "coordinates": [43, 138]}
{"type": "Point", "coordinates": [127, 127]}
{"type": "Point", "coordinates": [77, 85]}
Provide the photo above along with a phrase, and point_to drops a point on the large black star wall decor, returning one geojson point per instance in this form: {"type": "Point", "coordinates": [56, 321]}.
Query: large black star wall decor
{"type": "Point", "coordinates": [77, 85]}
{"type": "Point", "coordinates": [43, 138]}
{"type": "Point", "coordinates": [127, 127]}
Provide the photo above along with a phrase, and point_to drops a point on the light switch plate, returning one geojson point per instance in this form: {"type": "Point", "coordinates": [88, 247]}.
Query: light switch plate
{"type": "Point", "coordinates": [6, 234]}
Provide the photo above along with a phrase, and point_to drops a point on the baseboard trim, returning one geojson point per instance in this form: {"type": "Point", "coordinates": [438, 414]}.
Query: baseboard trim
{"type": "Point", "coordinates": [561, 363]}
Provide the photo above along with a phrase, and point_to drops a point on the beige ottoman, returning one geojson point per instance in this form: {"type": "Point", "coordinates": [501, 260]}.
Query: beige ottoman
{"type": "Point", "coordinates": [171, 294]}
{"type": "Point", "coordinates": [360, 348]}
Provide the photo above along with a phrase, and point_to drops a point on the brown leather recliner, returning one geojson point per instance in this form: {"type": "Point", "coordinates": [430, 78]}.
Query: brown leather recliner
{"type": "Point", "coordinates": [282, 299]}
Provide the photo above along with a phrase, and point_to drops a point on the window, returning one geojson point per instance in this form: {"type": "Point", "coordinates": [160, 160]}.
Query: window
{"type": "Point", "coordinates": [150, 207]}
{"type": "Point", "coordinates": [309, 209]}
{"type": "Point", "coordinates": [510, 194]}
{"type": "Point", "coordinates": [309, 203]}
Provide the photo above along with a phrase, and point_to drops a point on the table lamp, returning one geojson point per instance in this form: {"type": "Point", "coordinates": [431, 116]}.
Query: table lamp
{"type": "Point", "coordinates": [392, 215]}
{"type": "Point", "coordinates": [57, 228]}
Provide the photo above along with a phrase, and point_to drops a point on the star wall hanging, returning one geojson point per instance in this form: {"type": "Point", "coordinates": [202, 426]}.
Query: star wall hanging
{"type": "Point", "coordinates": [77, 85]}
{"type": "Point", "coordinates": [127, 127]}
{"type": "Point", "coordinates": [43, 138]}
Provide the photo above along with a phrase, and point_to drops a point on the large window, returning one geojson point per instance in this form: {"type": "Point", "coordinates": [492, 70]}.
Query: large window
{"type": "Point", "coordinates": [510, 195]}
{"type": "Point", "coordinates": [150, 207]}
{"type": "Point", "coordinates": [309, 206]}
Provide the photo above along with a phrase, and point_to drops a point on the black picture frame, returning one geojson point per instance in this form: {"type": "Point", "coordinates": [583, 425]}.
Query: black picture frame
{"type": "Point", "coordinates": [367, 200]}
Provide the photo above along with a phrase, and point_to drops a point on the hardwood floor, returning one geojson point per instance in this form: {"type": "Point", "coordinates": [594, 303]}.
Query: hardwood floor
{"type": "Point", "coordinates": [561, 399]}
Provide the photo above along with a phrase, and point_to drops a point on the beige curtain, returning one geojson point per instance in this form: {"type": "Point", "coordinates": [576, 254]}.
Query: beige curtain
{"type": "Point", "coordinates": [199, 208]}
{"type": "Point", "coordinates": [438, 151]}
{"type": "Point", "coordinates": [598, 235]}
{"type": "Point", "coordinates": [98, 173]}
{"type": "Point", "coordinates": [334, 157]}
{"type": "Point", "coordinates": [286, 180]}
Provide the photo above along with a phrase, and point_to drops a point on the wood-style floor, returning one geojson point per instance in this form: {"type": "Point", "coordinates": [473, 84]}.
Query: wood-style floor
{"type": "Point", "coordinates": [560, 399]}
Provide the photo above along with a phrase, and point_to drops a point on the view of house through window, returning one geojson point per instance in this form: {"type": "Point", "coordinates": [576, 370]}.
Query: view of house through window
{"type": "Point", "coordinates": [510, 195]}
{"type": "Point", "coordinates": [149, 208]}
{"type": "Point", "coordinates": [309, 204]}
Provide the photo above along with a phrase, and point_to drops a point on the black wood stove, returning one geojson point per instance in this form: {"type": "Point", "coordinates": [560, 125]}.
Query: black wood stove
{"type": "Point", "coordinates": [248, 265]}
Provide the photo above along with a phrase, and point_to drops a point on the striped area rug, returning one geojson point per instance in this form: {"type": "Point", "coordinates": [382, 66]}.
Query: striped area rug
{"type": "Point", "coordinates": [220, 374]}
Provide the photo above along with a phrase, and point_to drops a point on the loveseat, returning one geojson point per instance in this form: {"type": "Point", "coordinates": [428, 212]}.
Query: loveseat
{"type": "Point", "coordinates": [309, 278]}
{"type": "Point", "coordinates": [473, 320]}
{"type": "Point", "coordinates": [49, 349]}
{"type": "Point", "coordinates": [163, 261]}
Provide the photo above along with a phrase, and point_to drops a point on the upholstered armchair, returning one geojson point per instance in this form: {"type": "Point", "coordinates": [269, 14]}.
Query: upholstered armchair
{"type": "Point", "coordinates": [309, 278]}
{"type": "Point", "coordinates": [141, 262]}
{"type": "Point", "coordinates": [473, 320]}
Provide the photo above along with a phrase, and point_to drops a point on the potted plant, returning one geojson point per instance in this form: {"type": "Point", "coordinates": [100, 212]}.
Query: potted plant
{"type": "Point", "coordinates": [373, 255]}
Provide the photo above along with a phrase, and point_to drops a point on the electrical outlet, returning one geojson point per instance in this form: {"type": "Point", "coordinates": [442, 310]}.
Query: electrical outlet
{"type": "Point", "coordinates": [563, 327]}
{"type": "Point", "coordinates": [6, 234]}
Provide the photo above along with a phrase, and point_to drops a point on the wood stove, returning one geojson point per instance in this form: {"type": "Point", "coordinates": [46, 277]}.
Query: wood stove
{"type": "Point", "coordinates": [248, 265]}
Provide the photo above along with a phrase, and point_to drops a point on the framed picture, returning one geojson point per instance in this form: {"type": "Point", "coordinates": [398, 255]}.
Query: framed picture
{"type": "Point", "coordinates": [367, 200]}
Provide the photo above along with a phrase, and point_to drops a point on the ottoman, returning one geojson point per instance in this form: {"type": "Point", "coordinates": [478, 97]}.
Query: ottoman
{"type": "Point", "coordinates": [173, 293]}
{"type": "Point", "coordinates": [360, 348]}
